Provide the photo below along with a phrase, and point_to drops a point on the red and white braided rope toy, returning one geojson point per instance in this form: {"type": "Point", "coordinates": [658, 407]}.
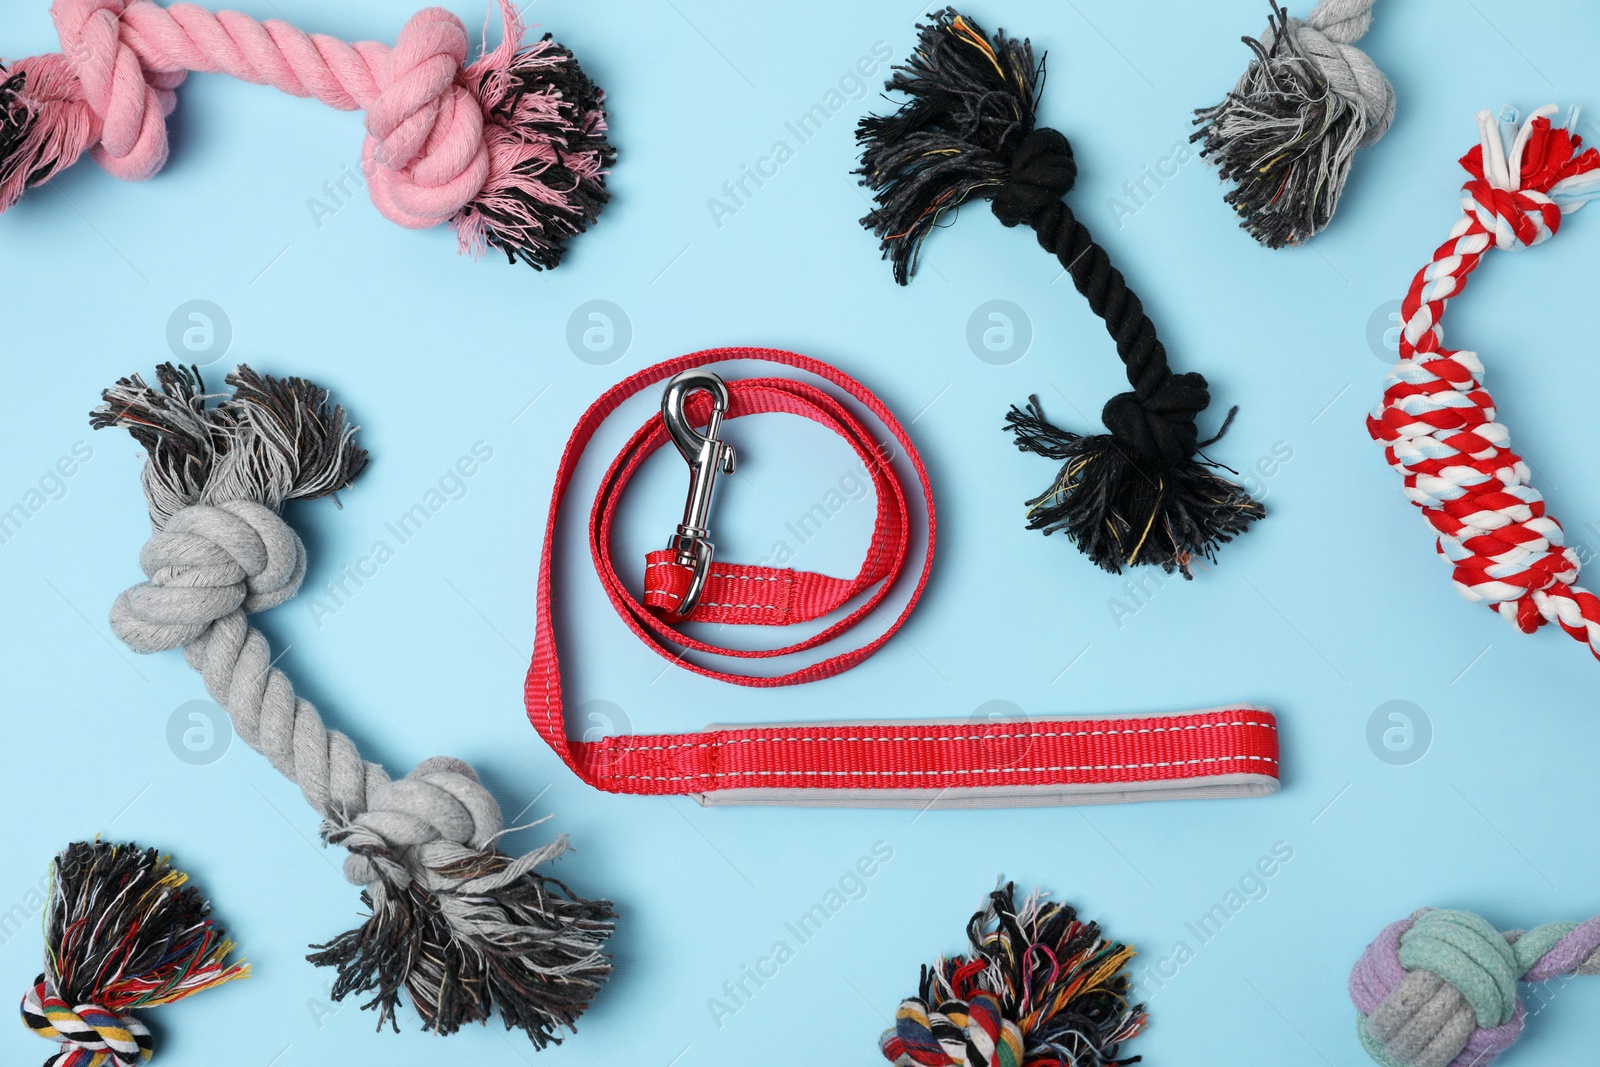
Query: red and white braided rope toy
{"type": "Point", "coordinates": [1437, 421]}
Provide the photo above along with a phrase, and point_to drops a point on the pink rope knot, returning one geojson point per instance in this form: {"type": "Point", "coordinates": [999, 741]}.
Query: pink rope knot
{"type": "Point", "coordinates": [509, 149]}
{"type": "Point", "coordinates": [130, 104]}
{"type": "Point", "coordinates": [425, 151]}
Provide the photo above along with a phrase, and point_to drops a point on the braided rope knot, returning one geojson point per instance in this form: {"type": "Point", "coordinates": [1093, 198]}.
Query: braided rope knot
{"type": "Point", "coordinates": [1328, 39]}
{"type": "Point", "coordinates": [207, 562]}
{"type": "Point", "coordinates": [1439, 425]}
{"type": "Point", "coordinates": [1043, 170]}
{"type": "Point", "coordinates": [971, 1033]}
{"type": "Point", "coordinates": [1440, 988]}
{"type": "Point", "coordinates": [1158, 418]}
{"type": "Point", "coordinates": [425, 149]}
{"type": "Point", "coordinates": [128, 102]}
{"type": "Point", "coordinates": [1514, 218]}
{"type": "Point", "coordinates": [212, 562]}
{"type": "Point", "coordinates": [91, 1036]}
{"type": "Point", "coordinates": [437, 816]}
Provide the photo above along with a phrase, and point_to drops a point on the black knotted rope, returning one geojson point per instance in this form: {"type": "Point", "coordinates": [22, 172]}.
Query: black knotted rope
{"type": "Point", "coordinates": [1140, 493]}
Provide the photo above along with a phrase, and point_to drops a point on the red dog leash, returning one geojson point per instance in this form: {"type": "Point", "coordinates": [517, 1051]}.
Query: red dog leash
{"type": "Point", "coordinates": [1228, 751]}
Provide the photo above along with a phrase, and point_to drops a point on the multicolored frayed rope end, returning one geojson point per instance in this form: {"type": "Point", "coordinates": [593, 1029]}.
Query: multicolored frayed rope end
{"type": "Point", "coordinates": [1437, 422]}
{"type": "Point", "coordinates": [124, 931]}
{"type": "Point", "coordinates": [509, 149]}
{"type": "Point", "coordinates": [1439, 989]}
{"type": "Point", "coordinates": [1039, 988]}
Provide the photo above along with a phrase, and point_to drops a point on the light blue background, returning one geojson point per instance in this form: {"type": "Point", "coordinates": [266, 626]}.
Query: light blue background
{"type": "Point", "coordinates": [1332, 607]}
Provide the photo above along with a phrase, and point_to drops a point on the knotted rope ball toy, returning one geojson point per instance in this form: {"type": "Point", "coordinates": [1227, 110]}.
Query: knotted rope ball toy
{"type": "Point", "coordinates": [1142, 493]}
{"type": "Point", "coordinates": [123, 931]}
{"type": "Point", "coordinates": [1039, 988]}
{"type": "Point", "coordinates": [455, 922]}
{"type": "Point", "coordinates": [1440, 989]}
{"type": "Point", "coordinates": [1287, 133]}
{"type": "Point", "coordinates": [509, 149]}
{"type": "Point", "coordinates": [1437, 422]}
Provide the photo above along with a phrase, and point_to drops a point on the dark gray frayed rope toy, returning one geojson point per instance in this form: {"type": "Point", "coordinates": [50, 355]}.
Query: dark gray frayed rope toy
{"type": "Point", "coordinates": [455, 922]}
{"type": "Point", "coordinates": [1287, 133]}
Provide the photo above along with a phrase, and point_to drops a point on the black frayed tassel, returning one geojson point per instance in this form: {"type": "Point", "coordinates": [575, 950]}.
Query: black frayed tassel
{"type": "Point", "coordinates": [1287, 133]}
{"type": "Point", "coordinates": [278, 437]}
{"type": "Point", "coordinates": [970, 103]}
{"type": "Point", "coordinates": [1036, 987]}
{"type": "Point", "coordinates": [547, 131]}
{"type": "Point", "coordinates": [293, 444]}
{"type": "Point", "coordinates": [16, 123]}
{"type": "Point", "coordinates": [1141, 494]}
{"type": "Point", "coordinates": [44, 124]}
{"type": "Point", "coordinates": [535, 954]}
{"type": "Point", "coordinates": [1122, 509]}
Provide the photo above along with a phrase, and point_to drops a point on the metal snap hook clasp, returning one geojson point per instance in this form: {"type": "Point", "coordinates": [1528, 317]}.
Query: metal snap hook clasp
{"type": "Point", "coordinates": [705, 455]}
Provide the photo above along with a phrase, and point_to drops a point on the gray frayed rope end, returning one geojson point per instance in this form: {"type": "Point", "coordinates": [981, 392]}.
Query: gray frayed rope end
{"type": "Point", "coordinates": [460, 926]}
{"type": "Point", "coordinates": [1285, 136]}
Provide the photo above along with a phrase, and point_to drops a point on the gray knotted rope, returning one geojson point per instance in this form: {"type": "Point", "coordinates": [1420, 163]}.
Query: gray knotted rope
{"type": "Point", "coordinates": [210, 567]}
{"type": "Point", "coordinates": [1327, 37]}
{"type": "Point", "coordinates": [458, 923]}
{"type": "Point", "coordinates": [1287, 133]}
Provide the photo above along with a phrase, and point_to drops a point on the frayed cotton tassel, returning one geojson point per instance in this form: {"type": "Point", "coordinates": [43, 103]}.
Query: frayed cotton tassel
{"type": "Point", "coordinates": [1037, 987]}
{"type": "Point", "coordinates": [124, 931]}
{"type": "Point", "coordinates": [1287, 133]}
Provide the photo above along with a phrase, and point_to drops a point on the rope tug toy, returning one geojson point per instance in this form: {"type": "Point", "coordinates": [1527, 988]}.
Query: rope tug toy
{"type": "Point", "coordinates": [1440, 988]}
{"type": "Point", "coordinates": [1134, 495]}
{"type": "Point", "coordinates": [510, 149]}
{"type": "Point", "coordinates": [1437, 421]}
{"type": "Point", "coordinates": [454, 921]}
{"type": "Point", "coordinates": [124, 931]}
{"type": "Point", "coordinates": [1040, 988]}
{"type": "Point", "coordinates": [1286, 134]}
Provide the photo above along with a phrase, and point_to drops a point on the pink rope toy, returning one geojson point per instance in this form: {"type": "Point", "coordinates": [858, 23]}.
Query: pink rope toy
{"type": "Point", "coordinates": [510, 150]}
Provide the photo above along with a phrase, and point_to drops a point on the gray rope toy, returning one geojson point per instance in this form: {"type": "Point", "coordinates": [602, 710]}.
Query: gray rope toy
{"type": "Point", "coordinates": [455, 922]}
{"type": "Point", "coordinates": [1286, 135]}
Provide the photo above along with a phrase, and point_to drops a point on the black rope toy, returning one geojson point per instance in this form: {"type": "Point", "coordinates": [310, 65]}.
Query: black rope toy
{"type": "Point", "coordinates": [1142, 493]}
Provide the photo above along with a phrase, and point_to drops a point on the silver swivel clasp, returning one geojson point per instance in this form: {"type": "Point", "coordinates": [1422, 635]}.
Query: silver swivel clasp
{"type": "Point", "coordinates": [705, 455]}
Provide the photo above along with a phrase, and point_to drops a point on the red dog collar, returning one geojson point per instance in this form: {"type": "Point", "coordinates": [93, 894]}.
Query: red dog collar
{"type": "Point", "coordinates": [1231, 751]}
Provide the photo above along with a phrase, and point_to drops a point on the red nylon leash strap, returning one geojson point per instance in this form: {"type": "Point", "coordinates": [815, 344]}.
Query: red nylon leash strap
{"type": "Point", "coordinates": [1229, 751]}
